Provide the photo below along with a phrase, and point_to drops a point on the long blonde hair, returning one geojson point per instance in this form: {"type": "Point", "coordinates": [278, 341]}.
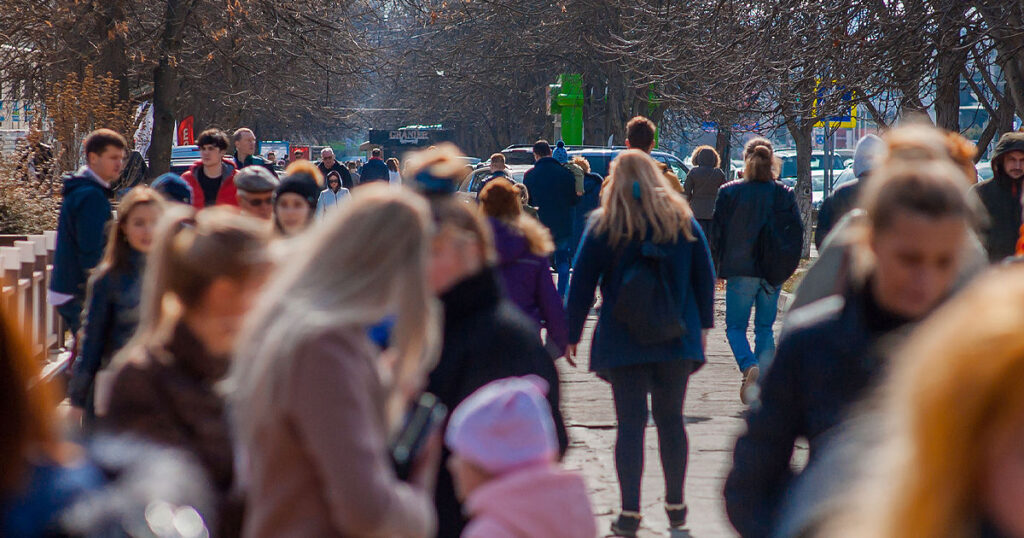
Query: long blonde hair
{"type": "Point", "coordinates": [955, 387]}
{"type": "Point", "coordinates": [638, 198]}
{"type": "Point", "coordinates": [366, 262]}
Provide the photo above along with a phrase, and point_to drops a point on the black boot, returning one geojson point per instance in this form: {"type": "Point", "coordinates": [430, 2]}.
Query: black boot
{"type": "Point", "coordinates": [676, 515]}
{"type": "Point", "coordinates": [627, 524]}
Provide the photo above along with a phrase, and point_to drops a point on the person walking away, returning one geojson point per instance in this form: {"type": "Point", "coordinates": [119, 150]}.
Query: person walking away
{"type": "Point", "coordinates": [332, 197]}
{"type": "Point", "coordinates": [42, 475]}
{"type": "Point", "coordinates": [1001, 197]}
{"type": "Point", "coordinates": [212, 178]}
{"type": "Point", "coordinates": [651, 260]}
{"type": "Point", "coordinates": [844, 198]}
{"type": "Point", "coordinates": [173, 188]}
{"type": "Point", "coordinates": [948, 459]}
{"type": "Point", "coordinates": [834, 352]}
{"type": "Point", "coordinates": [256, 189]}
{"type": "Point", "coordinates": [562, 156]}
{"type": "Point", "coordinates": [204, 272]}
{"type": "Point", "coordinates": [295, 199]}
{"type": "Point", "coordinates": [245, 151]}
{"type": "Point", "coordinates": [702, 184]}
{"type": "Point", "coordinates": [496, 169]}
{"type": "Point", "coordinates": [313, 400]}
{"type": "Point", "coordinates": [504, 461]}
{"type": "Point", "coordinates": [375, 169]}
{"type": "Point", "coordinates": [81, 224]}
{"type": "Point", "coordinates": [524, 201]}
{"type": "Point", "coordinates": [115, 287]}
{"type": "Point", "coordinates": [353, 170]}
{"type": "Point", "coordinates": [552, 190]}
{"type": "Point", "coordinates": [394, 176]}
{"type": "Point", "coordinates": [523, 246]}
{"type": "Point", "coordinates": [590, 200]}
{"type": "Point", "coordinates": [742, 209]}
{"type": "Point", "coordinates": [328, 163]}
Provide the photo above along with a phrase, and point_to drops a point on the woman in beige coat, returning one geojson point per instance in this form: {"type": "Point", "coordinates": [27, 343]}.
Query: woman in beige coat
{"type": "Point", "coordinates": [314, 403]}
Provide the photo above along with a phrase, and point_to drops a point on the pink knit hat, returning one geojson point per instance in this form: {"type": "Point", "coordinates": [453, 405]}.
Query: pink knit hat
{"type": "Point", "coordinates": [504, 425]}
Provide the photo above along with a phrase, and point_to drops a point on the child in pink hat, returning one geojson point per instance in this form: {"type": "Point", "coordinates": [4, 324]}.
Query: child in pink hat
{"type": "Point", "coordinates": [504, 449]}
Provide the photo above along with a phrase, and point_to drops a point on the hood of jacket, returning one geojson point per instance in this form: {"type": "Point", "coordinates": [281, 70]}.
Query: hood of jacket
{"type": "Point", "coordinates": [541, 500]}
{"type": "Point", "coordinates": [510, 244]}
{"type": "Point", "coordinates": [1007, 143]}
{"type": "Point", "coordinates": [80, 181]}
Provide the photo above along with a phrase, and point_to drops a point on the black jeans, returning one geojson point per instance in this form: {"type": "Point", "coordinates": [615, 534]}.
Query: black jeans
{"type": "Point", "coordinates": [71, 313]}
{"type": "Point", "coordinates": [666, 383]}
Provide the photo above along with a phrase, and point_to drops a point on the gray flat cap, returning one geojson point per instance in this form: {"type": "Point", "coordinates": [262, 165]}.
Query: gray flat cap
{"type": "Point", "coordinates": [255, 179]}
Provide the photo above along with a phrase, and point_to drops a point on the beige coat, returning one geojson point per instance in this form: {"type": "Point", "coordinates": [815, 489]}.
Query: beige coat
{"type": "Point", "coordinates": [320, 464]}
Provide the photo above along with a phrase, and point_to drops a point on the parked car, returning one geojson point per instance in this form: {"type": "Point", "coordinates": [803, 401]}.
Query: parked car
{"type": "Point", "coordinates": [818, 163]}
{"type": "Point", "coordinates": [600, 159]}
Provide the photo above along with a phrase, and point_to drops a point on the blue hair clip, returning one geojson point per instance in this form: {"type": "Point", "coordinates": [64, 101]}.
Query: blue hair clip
{"type": "Point", "coordinates": [636, 191]}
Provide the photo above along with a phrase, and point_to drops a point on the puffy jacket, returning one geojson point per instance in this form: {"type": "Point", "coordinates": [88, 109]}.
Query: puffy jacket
{"type": "Point", "coordinates": [111, 315]}
{"type": "Point", "coordinates": [374, 170]}
{"type": "Point", "coordinates": [701, 189]}
{"type": "Point", "coordinates": [828, 360]}
{"type": "Point", "coordinates": [1001, 197]}
{"type": "Point", "coordinates": [486, 337]}
{"type": "Point", "coordinates": [741, 211]}
{"type": "Point", "coordinates": [527, 280]}
{"type": "Point", "coordinates": [540, 500]}
{"type": "Point", "coordinates": [553, 192]}
{"type": "Point", "coordinates": [226, 195]}
{"type": "Point", "coordinates": [81, 233]}
{"type": "Point", "coordinates": [613, 346]}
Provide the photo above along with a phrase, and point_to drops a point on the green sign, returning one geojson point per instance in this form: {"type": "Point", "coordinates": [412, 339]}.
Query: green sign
{"type": "Point", "coordinates": [567, 100]}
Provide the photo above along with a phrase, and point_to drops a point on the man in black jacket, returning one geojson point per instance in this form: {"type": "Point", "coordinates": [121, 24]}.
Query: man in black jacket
{"type": "Point", "coordinates": [375, 169]}
{"type": "Point", "coordinates": [244, 141]}
{"type": "Point", "coordinates": [329, 164]}
{"type": "Point", "coordinates": [1001, 197]}
{"type": "Point", "coordinates": [553, 192]}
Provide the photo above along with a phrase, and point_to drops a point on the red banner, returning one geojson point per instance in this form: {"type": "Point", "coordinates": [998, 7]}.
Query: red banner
{"type": "Point", "coordinates": [186, 133]}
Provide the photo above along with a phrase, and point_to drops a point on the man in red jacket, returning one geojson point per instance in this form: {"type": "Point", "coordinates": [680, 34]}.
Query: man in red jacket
{"type": "Point", "coordinates": [212, 178]}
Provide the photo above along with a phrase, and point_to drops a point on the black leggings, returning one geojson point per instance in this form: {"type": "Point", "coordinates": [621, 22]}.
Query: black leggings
{"type": "Point", "coordinates": [666, 383]}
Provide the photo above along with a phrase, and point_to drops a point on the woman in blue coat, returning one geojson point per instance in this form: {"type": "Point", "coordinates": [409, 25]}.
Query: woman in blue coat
{"type": "Point", "coordinates": [645, 250]}
{"type": "Point", "coordinates": [112, 302]}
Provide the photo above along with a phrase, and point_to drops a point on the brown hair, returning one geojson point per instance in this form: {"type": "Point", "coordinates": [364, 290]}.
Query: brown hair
{"type": "Point", "coordinates": [582, 162]}
{"type": "Point", "coordinates": [306, 166]}
{"type": "Point", "coordinates": [759, 160]}
{"type": "Point", "coordinates": [932, 189]}
{"type": "Point", "coordinates": [392, 164]}
{"type": "Point", "coordinates": [26, 422]}
{"type": "Point", "coordinates": [637, 199]}
{"type": "Point", "coordinates": [213, 137]}
{"type": "Point", "coordinates": [500, 200]}
{"type": "Point", "coordinates": [705, 156]}
{"type": "Point", "coordinates": [640, 133]}
{"type": "Point", "coordinates": [498, 158]}
{"type": "Point", "coordinates": [118, 251]}
{"type": "Point", "coordinates": [99, 140]}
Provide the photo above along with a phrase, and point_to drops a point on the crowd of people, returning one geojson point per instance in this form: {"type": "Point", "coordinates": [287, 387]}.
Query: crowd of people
{"type": "Point", "coordinates": [339, 352]}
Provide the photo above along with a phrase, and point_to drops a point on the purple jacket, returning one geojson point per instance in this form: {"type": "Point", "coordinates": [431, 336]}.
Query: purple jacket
{"type": "Point", "coordinates": [528, 282]}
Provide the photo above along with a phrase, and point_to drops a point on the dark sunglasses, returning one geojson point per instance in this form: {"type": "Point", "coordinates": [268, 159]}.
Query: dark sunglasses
{"type": "Point", "coordinates": [257, 202]}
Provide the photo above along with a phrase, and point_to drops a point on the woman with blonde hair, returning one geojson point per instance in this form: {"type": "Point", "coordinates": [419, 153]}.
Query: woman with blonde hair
{"type": "Point", "coordinates": [115, 288]}
{"type": "Point", "coordinates": [314, 400]}
{"type": "Point", "coordinates": [834, 351]}
{"type": "Point", "coordinates": [524, 245]}
{"type": "Point", "coordinates": [203, 272]}
{"type": "Point", "coordinates": [950, 456]}
{"type": "Point", "coordinates": [647, 253]}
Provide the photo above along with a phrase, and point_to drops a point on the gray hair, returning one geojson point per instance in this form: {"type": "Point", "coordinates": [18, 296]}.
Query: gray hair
{"type": "Point", "coordinates": [325, 151]}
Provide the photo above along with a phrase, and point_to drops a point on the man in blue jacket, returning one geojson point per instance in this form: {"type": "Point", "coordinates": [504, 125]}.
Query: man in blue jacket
{"type": "Point", "coordinates": [81, 226]}
{"type": "Point", "coordinates": [553, 192]}
{"type": "Point", "coordinates": [375, 169]}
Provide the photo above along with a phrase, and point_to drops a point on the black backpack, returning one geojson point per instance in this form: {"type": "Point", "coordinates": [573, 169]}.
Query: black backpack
{"type": "Point", "coordinates": [646, 305]}
{"type": "Point", "coordinates": [780, 242]}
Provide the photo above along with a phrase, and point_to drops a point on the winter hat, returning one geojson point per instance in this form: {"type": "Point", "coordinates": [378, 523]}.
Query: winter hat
{"type": "Point", "coordinates": [174, 188]}
{"type": "Point", "coordinates": [560, 154]}
{"type": "Point", "coordinates": [504, 425]}
{"type": "Point", "coordinates": [255, 179]}
{"type": "Point", "coordinates": [302, 184]}
{"type": "Point", "coordinates": [867, 155]}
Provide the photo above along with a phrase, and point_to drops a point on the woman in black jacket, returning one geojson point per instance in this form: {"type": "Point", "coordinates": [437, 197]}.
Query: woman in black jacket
{"type": "Point", "coordinates": [742, 209]}
{"type": "Point", "coordinates": [834, 351]}
{"type": "Point", "coordinates": [702, 184]}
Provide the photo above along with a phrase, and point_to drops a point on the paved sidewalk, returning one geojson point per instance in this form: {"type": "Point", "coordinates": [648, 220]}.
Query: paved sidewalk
{"type": "Point", "coordinates": [713, 420]}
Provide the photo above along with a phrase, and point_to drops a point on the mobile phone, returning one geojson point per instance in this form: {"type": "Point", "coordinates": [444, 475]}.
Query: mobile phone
{"type": "Point", "coordinates": [426, 415]}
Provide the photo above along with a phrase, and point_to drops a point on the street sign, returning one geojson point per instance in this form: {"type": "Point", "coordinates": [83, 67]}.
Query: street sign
{"type": "Point", "coordinates": [846, 119]}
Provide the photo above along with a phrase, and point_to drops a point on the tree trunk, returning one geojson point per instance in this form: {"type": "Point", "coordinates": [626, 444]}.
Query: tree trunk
{"type": "Point", "coordinates": [952, 56]}
{"type": "Point", "coordinates": [723, 145]}
{"type": "Point", "coordinates": [165, 83]}
{"type": "Point", "coordinates": [803, 133]}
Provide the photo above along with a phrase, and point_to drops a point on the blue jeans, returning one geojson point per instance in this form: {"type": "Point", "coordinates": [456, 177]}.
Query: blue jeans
{"type": "Point", "coordinates": [563, 262]}
{"type": "Point", "coordinates": [742, 293]}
